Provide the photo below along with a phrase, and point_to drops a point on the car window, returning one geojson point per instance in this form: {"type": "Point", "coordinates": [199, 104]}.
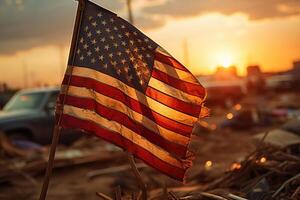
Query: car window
{"type": "Point", "coordinates": [25, 101]}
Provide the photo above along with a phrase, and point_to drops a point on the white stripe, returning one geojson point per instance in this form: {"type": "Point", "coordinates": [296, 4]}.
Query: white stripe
{"type": "Point", "coordinates": [174, 72]}
{"type": "Point", "coordinates": [135, 94]}
{"type": "Point", "coordinates": [121, 107]}
{"type": "Point", "coordinates": [122, 131]}
{"type": "Point", "coordinates": [162, 51]}
{"type": "Point", "coordinates": [174, 92]}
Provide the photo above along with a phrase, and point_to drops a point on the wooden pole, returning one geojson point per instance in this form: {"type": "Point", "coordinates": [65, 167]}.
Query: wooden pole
{"type": "Point", "coordinates": [138, 176]}
{"type": "Point", "coordinates": [57, 127]}
{"type": "Point", "coordinates": [130, 16]}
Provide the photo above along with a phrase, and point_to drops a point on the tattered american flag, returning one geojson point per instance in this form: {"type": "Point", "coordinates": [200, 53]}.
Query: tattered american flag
{"type": "Point", "coordinates": [125, 89]}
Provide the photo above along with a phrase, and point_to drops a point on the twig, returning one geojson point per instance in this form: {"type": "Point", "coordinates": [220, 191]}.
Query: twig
{"type": "Point", "coordinates": [297, 192]}
{"type": "Point", "coordinates": [232, 196]}
{"type": "Point", "coordinates": [103, 196]}
{"type": "Point", "coordinates": [137, 176]}
{"type": "Point", "coordinates": [173, 195]}
{"type": "Point", "coordinates": [284, 184]}
{"type": "Point", "coordinates": [212, 196]}
{"type": "Point", "coordinates": [118, 193]}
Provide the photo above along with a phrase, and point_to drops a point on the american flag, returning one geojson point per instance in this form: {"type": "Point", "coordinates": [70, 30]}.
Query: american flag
{"type": "Point", "coordinates": [127, 90]}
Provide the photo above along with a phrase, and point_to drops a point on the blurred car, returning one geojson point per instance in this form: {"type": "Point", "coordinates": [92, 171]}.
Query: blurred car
{"type": "Point", "coordinates": [246, 117]}
{"type": "Point", "coordinates": [29, 115]}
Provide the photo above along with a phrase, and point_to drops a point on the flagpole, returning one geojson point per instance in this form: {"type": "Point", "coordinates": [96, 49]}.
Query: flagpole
{"type": "Point", "coordinates": [57, 128]}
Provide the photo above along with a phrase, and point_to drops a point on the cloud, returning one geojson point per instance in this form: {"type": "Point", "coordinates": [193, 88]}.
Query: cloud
{"type": "Point", "coordinates": [255, 9]}
{"type": "Point", "coordinates": [30, 23]}
{"type": "Point", "coordinates": [147, 22]}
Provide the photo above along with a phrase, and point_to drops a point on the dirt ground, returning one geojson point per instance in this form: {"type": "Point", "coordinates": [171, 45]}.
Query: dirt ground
{"type": "Point", "coordinates": [71, 183]}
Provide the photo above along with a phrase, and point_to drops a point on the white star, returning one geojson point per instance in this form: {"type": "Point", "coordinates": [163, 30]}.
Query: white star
{"type": "Point", "coordinates": [94, 41]}
{"type": "Point", "coordinates": [107, 30]}
{"type": "Point", "coordinates": [116, 45]}
{"type": "Point", "coordinates": [81, 40]}
{"type": "Point", "coordinates": [141, 82]}
{"type": "Point", "coordinates": [123, 27]}
{"type": "Point", "coordinates": [146, 40]}
{"type": "Point", "coordinates": [98, 32]}
{"type": "Point", "coordinates": [112, 20]}
{"type": "Point", "coordinates": [103, 22]}
{"type": "Point", "coordinates": [94, 24]}
{"type": "Point", "coordinates": [135, 33]}
{"type": "Point", "coordinates": [136, 66]}
{"type": "Point", "coordinates": [93, 60]}
{"type": "Point", "coordinates": [81, 58]}
{"type": "Point", "coordinates": [89, 53]}
{"type": "Point", "coordinates": [116, 28]}
{"type": "Point", "coordinates": [135, 49]}
{"type": "Point", "coordinates": [140, 56]}
{"type": "Point", "coordinates": [106, 47]}
{"type": "Point", "coordinates": [78, 51]}
{"type": "Point", "coordinates": [131, 42]}
{"type": "Point", "coordinates": [123, 43]}
{"type": "Point", "coordinates": [101, 57]}
{"type": "Point", "coordinates": [102, 40]}
{"type": "Point", "coordinates": [110, 55]}
{"type": "Point", "coordinates": [148, 55]}
{"type": "Point", "coordinates": [86, 28]}
{"type": "Point", "coordinates": [105, 66]}
{"type": "Point", "coordinates": [139, 40]}
{"type": "Point", "coordinates": [114, 63]}
{"type": "Point", "coordinates": [97, 49]}
{"type": "Point", "coordinates": [127, 51]}
{"type": "Point", "coordinates": [85, 46]}
{"type": "Point", "coordinates": [123, 61]}
{"type": "Point", "coordinates": [99, 14]}
{"type": "Point", "coordinates": [112, 37]}
{"type": "Point", "coordinates": [149, 46]}
{"type": "Point", "coordinates": [120, 36]}
{"type": "Point", "coordinates": [127, 34]}
{"type": "Point", "coordinates": [131, 58]}
{"type": "Point", "coordinates": [89, 34]}
{"type": "Point", "coordinates": [90, 17]}
{"type": "Point", "coordinates": [126, 69]}
{"type": "Point", "coordinates": [118, 71]}
{"type": "Point", "coordinates": [119, 53]}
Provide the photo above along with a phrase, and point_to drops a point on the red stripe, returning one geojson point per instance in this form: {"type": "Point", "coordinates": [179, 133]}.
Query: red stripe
{"type": "Point", "coordinates": [132, 103]}
{"type": "Point", "coordinates": [111, 114]}
{"type": "Point", "coordinates": [169, 61]}
{"type": "Point", "coordinates": [190, 88]}
{"type": "Point", "coordinates": [188, 108]}
{"type": "Point", "coordinates": [115, 138]}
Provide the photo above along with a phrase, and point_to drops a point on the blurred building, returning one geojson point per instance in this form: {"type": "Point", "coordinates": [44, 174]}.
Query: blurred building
{"type": "Point", "coordinates": [255, 79]}
{"type": "Point", "coordinates": [223, 73]}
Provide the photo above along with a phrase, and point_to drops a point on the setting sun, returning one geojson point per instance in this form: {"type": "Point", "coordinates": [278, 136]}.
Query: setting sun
{"type": "Point", "coordinates": [225, 60]}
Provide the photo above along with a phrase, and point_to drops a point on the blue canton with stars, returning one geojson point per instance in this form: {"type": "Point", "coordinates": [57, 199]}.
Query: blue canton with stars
{"type": "Point", "coordinates": [111, 45]}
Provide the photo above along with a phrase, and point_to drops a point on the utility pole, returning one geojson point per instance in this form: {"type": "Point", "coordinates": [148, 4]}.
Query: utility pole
{"type": "Point", "coordinates": [61, 60]}
{"type": "Point", "coordinates": [25, 79]}
{"type": "Point", "coordinates": [186, 53]}
{"type": "Point", "coordinates": [130, 16]}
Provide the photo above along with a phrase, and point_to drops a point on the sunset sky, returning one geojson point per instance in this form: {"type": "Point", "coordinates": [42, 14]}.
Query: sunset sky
{"type": "Point", "coordinates": [35, 35]}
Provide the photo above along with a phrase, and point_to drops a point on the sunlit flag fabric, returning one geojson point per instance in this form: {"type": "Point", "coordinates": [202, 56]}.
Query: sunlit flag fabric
{"type": "Point", "coordinates": [125, 89]}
